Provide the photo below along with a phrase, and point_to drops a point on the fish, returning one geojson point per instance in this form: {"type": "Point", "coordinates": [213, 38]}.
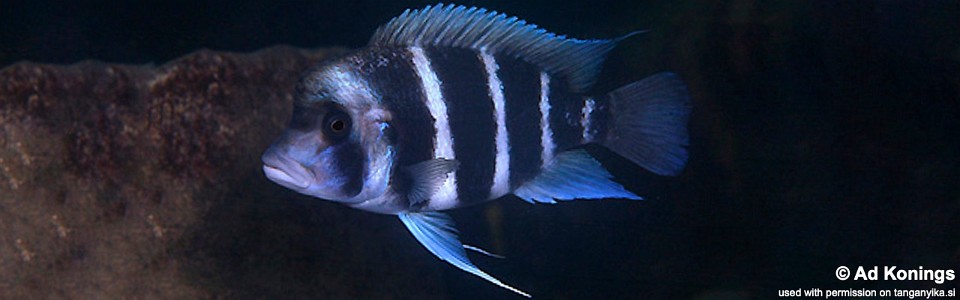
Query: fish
{"type": "Point", "coordinates": [450, 106]}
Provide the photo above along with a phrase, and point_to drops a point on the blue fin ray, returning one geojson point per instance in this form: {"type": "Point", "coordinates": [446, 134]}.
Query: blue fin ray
{"type": "Point", "coordinates": [649, 124]}
{"type": "Point", "coordinates": [436, 232]}
{"type": "Point", "coordinates": [481, 251]}
{"type": "Point", "coordinates": [572, 175]}
{"type": "Point", "coordinates": [457, 26]}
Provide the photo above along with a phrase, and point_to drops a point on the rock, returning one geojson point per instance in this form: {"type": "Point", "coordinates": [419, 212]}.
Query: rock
{"type": "Point", "coordinates": [131, 182]}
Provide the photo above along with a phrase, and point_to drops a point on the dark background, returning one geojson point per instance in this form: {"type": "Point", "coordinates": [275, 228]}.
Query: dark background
{"type": "Point", "coordinates": [824, 133]}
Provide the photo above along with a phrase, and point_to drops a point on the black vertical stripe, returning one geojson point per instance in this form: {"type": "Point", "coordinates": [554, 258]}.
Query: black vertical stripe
{"type": "Point", "coordinates": [470, 114]}
{"type": "Point", "coordinates": [349, 165]}
{"type": "Point", "coordinates": [565, 112]}
{"type": "Point", "coordinates": [521, 92]}
{"type": "Point", "coordinates": [393, 76]}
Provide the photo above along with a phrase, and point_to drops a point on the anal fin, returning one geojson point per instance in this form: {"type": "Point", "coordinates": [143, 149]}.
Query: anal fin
{"type": "Point", "coordinates": [572, 175]}
{"type": "Point", "coordinates": [436, 232]}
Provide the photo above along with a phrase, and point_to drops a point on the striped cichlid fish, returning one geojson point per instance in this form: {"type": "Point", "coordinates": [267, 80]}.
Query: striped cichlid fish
{"type": "Point", "coordinates": [451, 106]}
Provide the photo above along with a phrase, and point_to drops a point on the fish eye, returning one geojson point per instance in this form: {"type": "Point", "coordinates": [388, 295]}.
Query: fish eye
{"type": "Point", "coordinates": [336, 125]}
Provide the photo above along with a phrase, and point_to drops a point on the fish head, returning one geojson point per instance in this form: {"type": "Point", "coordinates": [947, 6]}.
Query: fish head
{"type": "Point", "coordinates": [335, 146]}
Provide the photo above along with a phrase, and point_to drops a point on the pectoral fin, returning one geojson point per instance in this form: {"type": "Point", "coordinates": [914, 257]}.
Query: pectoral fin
{"type": "Point", "coordinates": [436, 231]}
{"type": "Point", "coordinates": [426, 178]}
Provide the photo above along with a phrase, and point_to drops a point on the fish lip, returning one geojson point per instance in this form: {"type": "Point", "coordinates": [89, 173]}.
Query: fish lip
{"type": "Point", "coordinates": [283, 178]}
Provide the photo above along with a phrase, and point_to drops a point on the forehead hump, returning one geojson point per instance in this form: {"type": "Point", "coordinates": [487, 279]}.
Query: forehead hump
{"type": "Point", "coordinates": [341, 82]}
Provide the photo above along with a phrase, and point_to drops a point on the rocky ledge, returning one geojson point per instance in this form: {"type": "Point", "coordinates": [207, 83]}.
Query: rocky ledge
{"type": "Point", "coordinates": [143, 182]}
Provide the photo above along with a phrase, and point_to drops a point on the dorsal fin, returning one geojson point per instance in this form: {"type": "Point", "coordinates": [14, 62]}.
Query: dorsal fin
{"type": "Point", "coordinates": [578, 61]}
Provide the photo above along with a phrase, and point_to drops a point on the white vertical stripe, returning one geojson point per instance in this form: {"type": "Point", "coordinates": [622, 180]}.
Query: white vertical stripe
{"type": "Point", "coordinates": [585, 113]}
{"type": "Point", "coordinates": [546, 134]}
{"type": "Point", "coordinates": [501, 169]}
{"type": "Point", "coordinates": [446, 196]}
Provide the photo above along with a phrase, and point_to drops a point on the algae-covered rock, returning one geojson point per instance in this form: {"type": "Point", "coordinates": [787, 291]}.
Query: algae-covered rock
{"type": "Point", "coordinates": [134, 182]}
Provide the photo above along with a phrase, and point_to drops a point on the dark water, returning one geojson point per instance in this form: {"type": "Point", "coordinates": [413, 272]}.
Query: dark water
{"type": "Point", "coordinates": [824, 134]}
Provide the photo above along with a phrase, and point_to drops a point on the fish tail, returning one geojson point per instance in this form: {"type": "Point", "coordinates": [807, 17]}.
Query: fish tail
{"type": "Point", "coordinates": [648, 123]}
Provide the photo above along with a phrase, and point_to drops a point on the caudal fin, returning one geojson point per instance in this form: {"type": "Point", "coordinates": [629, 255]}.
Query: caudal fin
{"type": "Point", "coordinates": [649, 123]}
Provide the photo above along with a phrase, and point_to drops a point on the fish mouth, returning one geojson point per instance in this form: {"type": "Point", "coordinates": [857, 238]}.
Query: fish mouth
{"type": "Point", "coordinates": [285, 172]}
{"type": "Point", "coordinates": [284, 178]}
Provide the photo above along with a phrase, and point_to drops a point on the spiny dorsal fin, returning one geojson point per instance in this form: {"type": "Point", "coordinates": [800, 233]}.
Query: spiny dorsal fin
{"type": "Point", "coordinates": [578, 61]}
